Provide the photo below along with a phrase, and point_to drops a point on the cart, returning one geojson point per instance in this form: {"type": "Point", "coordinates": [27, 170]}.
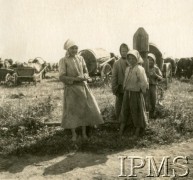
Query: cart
{"type": "Point", "coordinates": [28, 74]}
{"type": "Point", "coordinates": [99, 63]}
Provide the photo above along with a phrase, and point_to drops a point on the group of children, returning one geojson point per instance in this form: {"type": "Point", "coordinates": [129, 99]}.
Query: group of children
{"type": "Point", "coordinates": [133, 90]}
{"type": "Point", "coordinates": [129, 84]}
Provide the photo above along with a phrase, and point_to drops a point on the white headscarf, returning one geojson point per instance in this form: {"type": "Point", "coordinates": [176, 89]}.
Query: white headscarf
{"type": "Point", "coordinates": [137, 55]}
{"type": "Point", "coordinates": [152, 56]}
{"type": "Point", "coordinates": [68, 44]}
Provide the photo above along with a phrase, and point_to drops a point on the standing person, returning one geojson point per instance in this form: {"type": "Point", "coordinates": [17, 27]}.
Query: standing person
{"type": "Point", "coordinates": [80, 107]}
{"type": "Point", "coordinates": [133, 110]}
{"type": "Point", "coordinates": [118, 75]}
{"type": "Point", "coordinates": [155, 76]}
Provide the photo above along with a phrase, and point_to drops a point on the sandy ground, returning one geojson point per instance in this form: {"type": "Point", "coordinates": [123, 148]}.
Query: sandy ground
{"type": "Point", "coordinates": [77, 165]}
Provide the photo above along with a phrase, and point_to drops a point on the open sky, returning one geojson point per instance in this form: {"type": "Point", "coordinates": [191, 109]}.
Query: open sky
{"type": "Point", "coordinates": [39, 28]}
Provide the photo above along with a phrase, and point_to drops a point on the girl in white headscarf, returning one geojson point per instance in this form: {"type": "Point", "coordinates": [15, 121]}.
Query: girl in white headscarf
{"type": "Point", "coordinates": [80, 107]}
{"type": "Point", "coordinates": [133, 110]}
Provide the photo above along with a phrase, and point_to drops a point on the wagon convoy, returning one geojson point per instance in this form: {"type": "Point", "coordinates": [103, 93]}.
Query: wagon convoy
{"type": "Point", "coordinates": [99, 63]}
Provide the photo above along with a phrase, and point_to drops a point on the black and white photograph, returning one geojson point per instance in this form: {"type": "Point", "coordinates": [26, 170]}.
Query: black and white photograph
{"type": "Point", "coordinates": [96, 89]}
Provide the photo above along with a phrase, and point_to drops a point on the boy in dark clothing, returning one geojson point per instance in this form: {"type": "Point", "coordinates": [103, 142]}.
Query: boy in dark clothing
{"type": "Point", "coordinates": [118, 75]}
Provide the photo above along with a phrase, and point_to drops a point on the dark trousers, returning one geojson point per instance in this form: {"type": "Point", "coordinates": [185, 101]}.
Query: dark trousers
{"type": "Point", "coordinates": [118, 104]}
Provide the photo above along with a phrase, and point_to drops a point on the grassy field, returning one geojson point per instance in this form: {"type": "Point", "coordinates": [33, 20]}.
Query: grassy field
{"type": "Point", "coordinates": [25, 109]}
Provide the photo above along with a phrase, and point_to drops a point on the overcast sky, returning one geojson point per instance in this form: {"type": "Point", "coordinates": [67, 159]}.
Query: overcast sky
{"type": "Point", "coordinates": [39, 28]}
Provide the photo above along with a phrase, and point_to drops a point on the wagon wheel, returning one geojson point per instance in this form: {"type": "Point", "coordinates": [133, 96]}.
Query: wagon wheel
{"type": "Point", "coordinates": [35, 79]}
{"type": "Point", "coordinates": [14, 78]}
{"type": "Point", "coordinates": [8, 81]}
{"type": "Point", "coordinates": [38, 77]}
{"type": "Point", "coordinates": [106, 74]}
{"type": "Point", "coordinates": [41, 77]}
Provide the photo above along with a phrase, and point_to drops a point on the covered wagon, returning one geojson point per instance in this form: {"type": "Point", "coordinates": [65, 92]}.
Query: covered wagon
{"type": "Point", "coordinates": [99, 62]}
{"type": "Point", "coordinates": [159, 59]}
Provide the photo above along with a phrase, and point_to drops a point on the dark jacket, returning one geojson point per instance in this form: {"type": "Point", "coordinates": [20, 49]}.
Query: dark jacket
{"type": "Point", "coordinates": [118, 75]}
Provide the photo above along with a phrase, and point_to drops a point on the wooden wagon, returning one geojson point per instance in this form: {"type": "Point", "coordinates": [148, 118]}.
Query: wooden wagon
{"type": "Point", "coordinates": [33, 71]}
{"type": "Point", "coordinates": [28, 74]}
{"type": "Point", "coordinates": [25, 74]}
{"type": "Point", "coordinates": [7, 76]}
{"type": "Point", "coordinates": [99, 63]}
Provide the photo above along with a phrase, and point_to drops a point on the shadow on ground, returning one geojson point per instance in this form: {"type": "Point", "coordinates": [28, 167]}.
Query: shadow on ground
{"type": "Point", "coordinates": [103, 141]}
{"type": "Point", "coordinates": [77, 160]}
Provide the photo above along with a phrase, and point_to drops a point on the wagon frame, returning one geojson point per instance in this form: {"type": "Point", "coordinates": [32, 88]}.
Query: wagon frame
{"type": "Point", "coordinates": [27, 74]}
{"type": "Point", "coordinates": [99, 64]}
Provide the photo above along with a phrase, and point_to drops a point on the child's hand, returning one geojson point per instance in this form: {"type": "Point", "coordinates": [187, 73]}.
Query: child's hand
{"type": "Point", "coordinates": [153, 73]}
{"type": "Point", "coordinates": [89, 80]}
{"type": "Point", "coordinates": [80, 78]}
{"type": "Point", "coordinates": [86, 77]}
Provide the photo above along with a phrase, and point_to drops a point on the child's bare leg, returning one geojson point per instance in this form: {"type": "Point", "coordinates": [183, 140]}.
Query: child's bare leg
{"type": "Point", "coordinates": [74, 135]}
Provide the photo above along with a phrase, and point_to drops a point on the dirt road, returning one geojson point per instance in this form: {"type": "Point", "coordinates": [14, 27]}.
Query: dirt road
{"type": "Point", "coordinates": [77, 165]}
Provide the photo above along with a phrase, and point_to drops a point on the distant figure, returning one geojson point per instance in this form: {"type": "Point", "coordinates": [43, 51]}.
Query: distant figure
{"type": "Point", "coordinates": [133, 112]}
{"type": "Point", "coordinates": [44, 66]}
{"type": "Point", "coordinates": [118, 75]}
{"type": "Point", "coordinates": [48, 67]}
{"type": "Point", "coordinates": [79, 107]}
{"type": "Point", "coordinates": [57, 66]}
{"type": "Point", "coordinates": [155, 76]}
{"type": "Point", "coordinates": [54, 67]}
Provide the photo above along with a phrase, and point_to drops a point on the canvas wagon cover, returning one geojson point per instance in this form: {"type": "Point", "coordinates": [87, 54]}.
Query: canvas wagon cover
{"type": "Point", "coordinates": [94, 57]}
{"type": "Point", "coordinates": [39, 60]}
{"type": "Point", "coordinates": [154, 50]}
